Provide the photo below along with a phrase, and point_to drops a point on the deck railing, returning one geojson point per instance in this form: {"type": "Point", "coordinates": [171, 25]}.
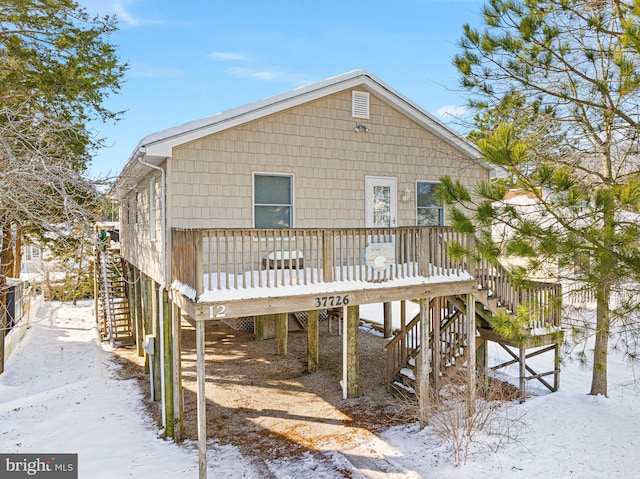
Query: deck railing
{"type": "Point", "coordinates": [237, 259]}
{"type": "Point", "coordinates": [216, 259]}
{"type": "Point", "coordinates": [541, 299]}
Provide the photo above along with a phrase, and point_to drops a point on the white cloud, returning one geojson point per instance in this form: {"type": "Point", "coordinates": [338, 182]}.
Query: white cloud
{"type": "Point", "coordinates": [451, 110]}
{"type": "Point", "coordinates": [228, 56]}
{"type": "Point", "coordinates": [297, 79]}
{"type": "Point", "coordinates": [267, 75]}
{"type": "Point", "coordinates": [250, 73]}
{"type": "Point", "coordinates": [124, 15]}
{"type": "Point", "coordinates": [120, 8]}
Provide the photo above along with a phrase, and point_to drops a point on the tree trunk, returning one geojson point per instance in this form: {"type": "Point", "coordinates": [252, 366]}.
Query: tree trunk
{"type": "Point", "coordinates": [603, 324]}
{"type": "Point", "coordinates": [606, 265]}
{"type": "Point", "coordinates": [6, 244]}
{"type": "Point", "coordinates": [17, 260]}
{"type": "Point", "coordinates": [79, 273]}
{"type": "Point", "coordinates": [7, 250]}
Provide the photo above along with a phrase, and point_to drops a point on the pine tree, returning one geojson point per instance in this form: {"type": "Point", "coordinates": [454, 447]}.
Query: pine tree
{"type": "Point", "coordinates": [557, 89]}
{"type": "Point", "coordinates": [56, 70]}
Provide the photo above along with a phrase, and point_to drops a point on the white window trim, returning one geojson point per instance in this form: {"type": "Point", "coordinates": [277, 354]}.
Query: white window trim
{"type": "Point", "coordinates": [253, 195]}
{"type": "Point", "coordinates": [152, 209]}
{"type": "Point", "coordinates": [136, 208]}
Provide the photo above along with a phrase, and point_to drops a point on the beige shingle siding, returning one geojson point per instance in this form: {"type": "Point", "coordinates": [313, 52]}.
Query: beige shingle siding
{"type": "Point", "coordinates": [136, 244]}
{"type": "Point", "coordinates": [317, 144]}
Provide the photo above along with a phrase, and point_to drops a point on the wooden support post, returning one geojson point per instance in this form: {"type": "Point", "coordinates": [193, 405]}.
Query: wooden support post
{"type": "Point", "coordinates": [198, 267]}
{"type": "Point", "coordinates": [168, 363]}
{"type": "Point", "coordinates": [96, 290]}
{"type": "Point", "coordinates": [327, 256]}
{"type": "Point", "coordinates": [258, 327]}
{"type": "Point", "coordinates": [482, 362]}
{"type": "Point", "coordinates": [176, 338]}
{"type": "Point", "coordinates": [313, 333]}
{"type": "Point", "coordinates": [145, 286]}
{"type": "Point", "coordinates": [403, 329]}
{"type": "Point", "coordinates": [133, 308]}
{"type": "Point", "coordinates": [424, 256]}
{"type": "Point", "coordinates": [437, 343]}
{"type": "Point", "coordinates": [137, 311]}
{"type": "Point", "coordinates": [556, 367]}
{"type": "Point", "coordinates": [471, 351]}
{"type": "Point", "coordinates": [4, 323]}
{"type": "Point", "coordinates": [425, 357]}
{"type": "Point", "coordinates": [353, 353]}
{"type": "Point", "coordinates": [157, 359]}
{"type": "Point", "coordinates": [202, 399]}
{"type": "Point", "coordinates": [388, 319]}
{"type": "Point", "coordinates": [523, 373]}
{"type": "Point", "coordinates": [282, 331]}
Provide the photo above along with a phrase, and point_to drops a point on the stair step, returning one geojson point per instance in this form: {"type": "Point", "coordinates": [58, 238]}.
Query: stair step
{"type": "Point", "coordinates": [403, 387]}
{"type": "Point", "coordinates": [408, 373]}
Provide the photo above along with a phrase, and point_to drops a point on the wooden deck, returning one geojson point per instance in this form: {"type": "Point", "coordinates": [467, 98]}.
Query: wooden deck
{"type": "Point", "coordinates": [226, 273]}
{"type": "Point", "coordinates": [229, 273]}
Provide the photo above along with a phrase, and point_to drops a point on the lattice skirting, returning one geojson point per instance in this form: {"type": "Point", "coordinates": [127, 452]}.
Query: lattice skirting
{"type": "Point", "coordinates": [240, 324]}
{"type": "Point", "coordinates": [246, 323]}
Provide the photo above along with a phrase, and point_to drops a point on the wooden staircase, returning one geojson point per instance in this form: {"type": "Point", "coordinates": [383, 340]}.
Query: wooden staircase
{"type": "Point", "coordinates": [113, 314]}
{"type": "Point", "coordinates": [447, 354]}
{"type": "Point", "coordinates": [496, 297]}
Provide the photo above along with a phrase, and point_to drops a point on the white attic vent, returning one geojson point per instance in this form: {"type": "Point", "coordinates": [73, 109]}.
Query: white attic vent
{"type": "Point", "coordinates": [360, 104]}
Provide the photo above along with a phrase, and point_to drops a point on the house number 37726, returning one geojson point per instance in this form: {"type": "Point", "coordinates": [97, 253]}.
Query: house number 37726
{"type": "Point", "coordinates": [217, 311]}
{"type": "Point", "coordinates": [324, 301]}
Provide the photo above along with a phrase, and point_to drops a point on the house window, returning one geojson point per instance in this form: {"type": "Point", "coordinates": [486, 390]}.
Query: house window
{"type": "Point", "coordinates": [32, 252]}
{"type": "Point", "coordinates": [124, 214]}
{"type": "Point", "coordinates": [136, 205]}
{"type": "Point", "coordinates": [272, 199]}
{"type": "Point", "coordinates": [430, 210]}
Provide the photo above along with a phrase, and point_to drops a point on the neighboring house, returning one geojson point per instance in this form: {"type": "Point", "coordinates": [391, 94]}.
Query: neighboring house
{"type": "Point", "coordinates": [528, 207]}
{"type": "Point", "coordinates": [322, 196]}
{"type": "Point", "coordinates": [575, 290]}
{"type": "Point", "coordinates": [38, 265]}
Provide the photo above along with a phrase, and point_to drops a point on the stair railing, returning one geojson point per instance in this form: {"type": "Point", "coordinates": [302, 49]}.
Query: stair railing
{"type": "Point", "coordinates": [107, 296]}
{"type": "Point", "coordinates": [404, 346]}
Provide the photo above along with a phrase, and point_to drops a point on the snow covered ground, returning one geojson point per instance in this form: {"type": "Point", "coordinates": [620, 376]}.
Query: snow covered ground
{"type": "Point", "coordinates": [60, 394]}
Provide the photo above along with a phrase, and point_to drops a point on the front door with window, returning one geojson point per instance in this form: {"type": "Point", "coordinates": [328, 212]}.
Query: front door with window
{"type": "Point", "coordinates": [381, 206]}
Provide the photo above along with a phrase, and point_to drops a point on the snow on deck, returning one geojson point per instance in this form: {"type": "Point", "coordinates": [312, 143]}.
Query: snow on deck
{"type": "Point", "coordinates": [290, 282]}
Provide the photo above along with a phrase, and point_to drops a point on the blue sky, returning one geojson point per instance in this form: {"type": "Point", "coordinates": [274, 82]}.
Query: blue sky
{"type": "Point", "coordinates": [194, 58]}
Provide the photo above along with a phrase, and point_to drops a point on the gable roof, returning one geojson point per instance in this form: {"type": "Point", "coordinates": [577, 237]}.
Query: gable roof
{"type": "Point", "coordinates": [156, 147]}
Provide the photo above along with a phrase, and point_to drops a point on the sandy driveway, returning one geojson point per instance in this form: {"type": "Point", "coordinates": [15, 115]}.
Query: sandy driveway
{"type": "Point", "coordinates": [270, 407]}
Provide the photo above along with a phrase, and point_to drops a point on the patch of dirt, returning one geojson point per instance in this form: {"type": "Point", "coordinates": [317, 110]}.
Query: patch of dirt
{"type": "Point", "coordinates": [267, 404]}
